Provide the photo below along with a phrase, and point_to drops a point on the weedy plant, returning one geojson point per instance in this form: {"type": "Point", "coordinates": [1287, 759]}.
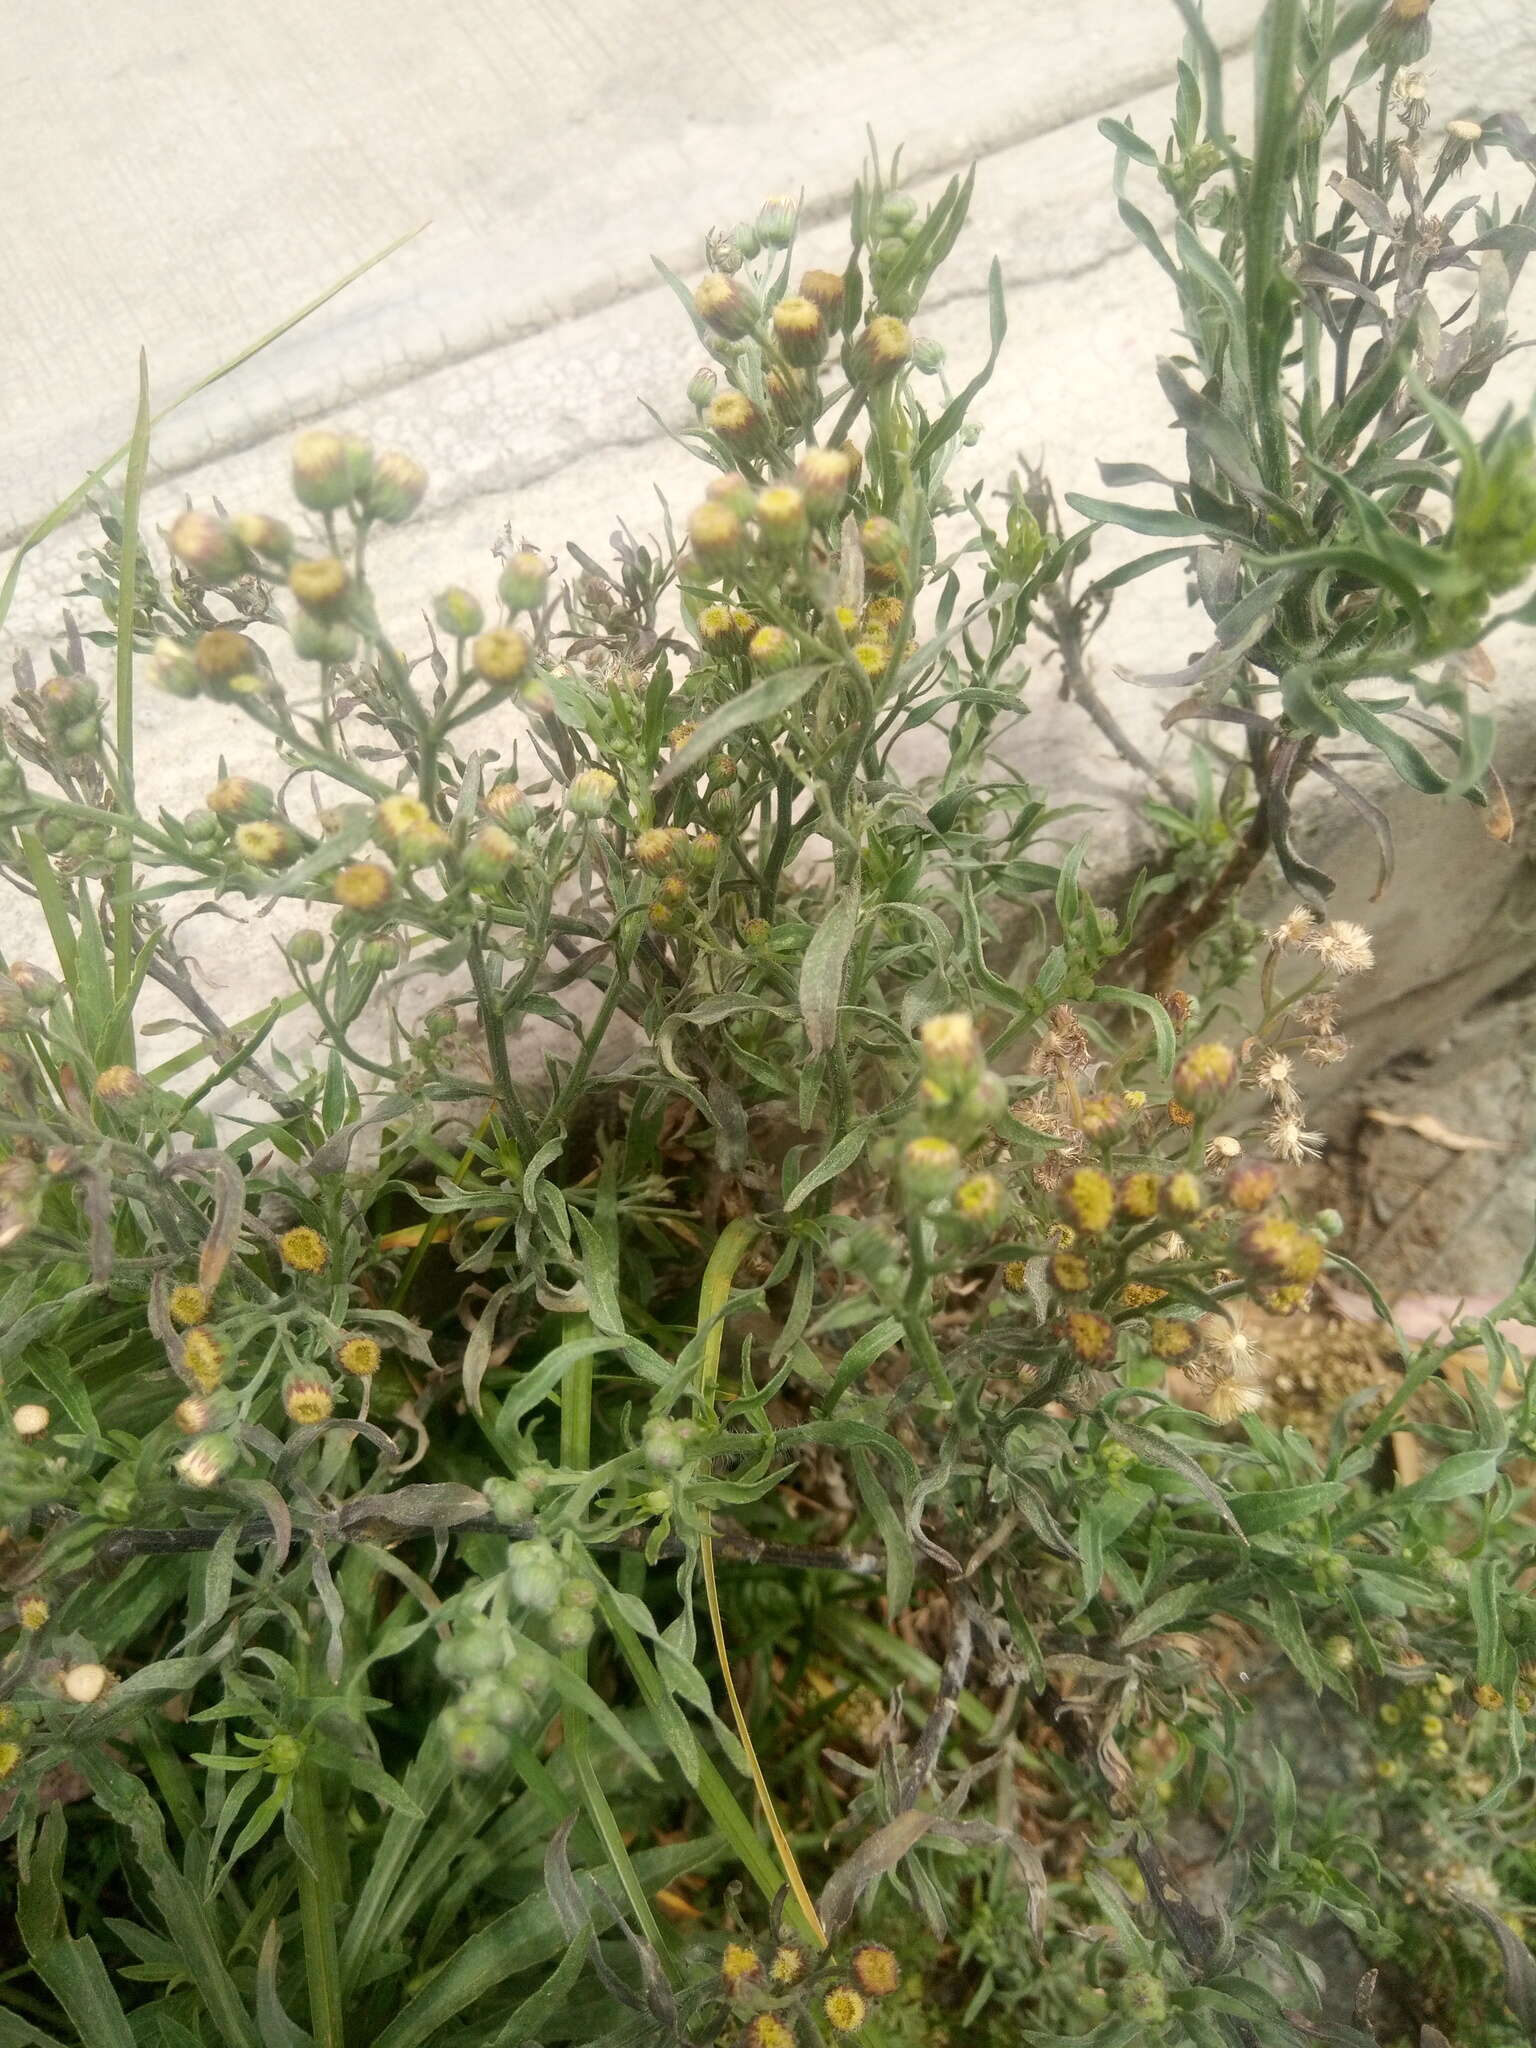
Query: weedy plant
{"type": "Point", "coordinates": [757, 1521]}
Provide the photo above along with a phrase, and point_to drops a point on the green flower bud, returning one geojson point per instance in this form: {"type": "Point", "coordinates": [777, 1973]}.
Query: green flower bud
{"type": "Point", "coordinates": [781, 517]}
{"type": "Point", "coordinates": [476, 1649]}
{"type": "Point", "coordinates": [715, 535]}
{"type": "Point", "coordinates": [474, 1745]}
{"type": "Point", "coordinates": [930, 1169]}
{"type": "Point", "coordinates": [664, 1443]}
{"type": "Point", "coordinates": [322, 586]}
{"type": "Point", "coordinates": [172, 669]}
{"type": "Point", "coordinates": [322, 476]}
{"type": "Point", "coordinates": [510, 807]}
{"type": "Point", "coordinates": [776, 221]}
{"type": "Point", "coordinates": [397, 486]}
{"type": "Point", "coordinates": [489, 854]}
{"type": "Point", "coordinates": [702, 386]}
{"type": "Point", "coordinates": [307, 947]}
{"type": "Point", "coordinates": [502, 655]}
{"type": "Point", "coordinates": [799, 331]}
{"type": "Point", "coordinates": [591, 793]}
{"type": "Point", "coordinates": [207, 548]}
{"type": "Point", "coordinates": [535, 1575]}
{"type": "Point", "coordinates": [822, 476]}
{"type": "Point", "coordinates": [928, 356]}
{"type": "Point", "coordinates": [459, 613]}
{"type": "Point", "coordinates": [327, 640]}
{"type": "Point", "coordinates": [524, 582]}
{"type": "Point", "coordinates": [724, 304]}
{"type": "Point", "coordinates": [736, 420]}
{"type": "Point", "coordinates": [571, 1628]}
{"type": "Point", "coordinates": [881, 350]}
{"type": "Point", "coordinates": [511, 1500]}
{"type": "Point", "coordinates": [263, 536]}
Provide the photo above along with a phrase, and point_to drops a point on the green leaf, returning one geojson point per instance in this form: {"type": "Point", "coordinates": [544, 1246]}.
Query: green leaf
{"type": "Point", "coordinates": [1138, 518]}
{"type": "Point", "coordinates": [1258, 1514]}
{"type": "Point", "coordinates": [1223, 441]}
{"type": "Point", "coordinates": [1151, 1008]}
{"type": "Point", "coordinates": [837, 1161]}
{"type": "Point", "coordinates": [1462, 1476]}
{"type": "Point", "coordinates": [899, 1558]}
{"type": "Point", "coordinates": [77, 1977]}
{"type": "Point", "coordinates": [763, 703]}
{"type": "Point", "coordinates": [823, 969]}
{"type": "Point", "coordinates": [950, 420]}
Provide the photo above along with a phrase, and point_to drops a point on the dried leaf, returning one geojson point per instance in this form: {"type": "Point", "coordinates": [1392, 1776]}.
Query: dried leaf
{"type": "Point", "coordinates": [1425, 1124]}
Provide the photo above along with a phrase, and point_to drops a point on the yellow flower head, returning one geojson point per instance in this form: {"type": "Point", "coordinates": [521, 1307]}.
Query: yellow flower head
{"type": "Point", "coordinates": [875, 1969]}
{"type": "Point", "coordinates": [303, 1250]}
{"type": "Point", "coordinates": [204, 1354]}
{"type": "Point", "coordinates": [846, 2008]}
{"type": "Point", "coordinates": [359, 1355]}
{"type": "Point", "coordinates": [188, 1305]}
{"type": "Point", "coordinates": [740, 1965]}
{"type": "Point", "coordinates": [1088, 1200]}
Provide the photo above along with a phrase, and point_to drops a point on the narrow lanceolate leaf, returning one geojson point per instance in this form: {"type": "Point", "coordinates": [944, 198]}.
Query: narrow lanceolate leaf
{"type": "Point", "coordinates": [763, 704]}
{"type": "Point", "coordinates": [127, 591]}
{"type": "Point", "coordinates": [824, 968]}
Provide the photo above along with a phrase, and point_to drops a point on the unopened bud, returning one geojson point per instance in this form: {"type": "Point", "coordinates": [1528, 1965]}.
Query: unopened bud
{"type": "Point", "coordinates": [511, 809]}
{"type": "Point", "coordinates": [207, 548]}
{"type": "Point", "coordinates": [776, 220]}
{"type": "Point", "coordinates": [591, 793]}
{"type": "Point", "coordinates": [881, 350]}
{"type": "Point", "coordinates": [307, 947]}
{"type": "Point", "coordinates": [930, 1168]}
{"type": "Point", "coordinates": [307, 1397]}
{"type": "Point", "coordinates": [397, 486]}
{"type": "Point", "coordinates": [322, 474]}
{"type": "Point", "coordinates": [781, 518]}
{"type": "Point", "coordinates": [724, 304]}
{"type": "Point", "coordinates": [502, 655]}
{"type": "Point", "coordinates": [715, 535]}
{"type": "Point", "coordinates": [458, 612]}
{"type": "Point", "coordinates": [321, 586]}
{"type": "Point", "coordinates": [535, 1575]}
{"type": "Point", "coordinates": [524, 581]}
{"type": "Point", "coordinates": [824, 289]}
{"type": "Point", "coordinates": [120, 1086]}
{"type": "Point", "coordinates": [771, 648]}
{"type": "Point", "coordinates": [736, 420]}
{"type": "Point", "coordinates": [823, 479]}
{"type": "Point", "coordinates": [702, 386]}
{"type": "Point", "coordinates": [263, 536]}
{"type": "Point", "coordinates": [331, 641]}
{"type": "Point", "coordinates": [204, 1463]}
{"type": "Point", "coordinates": [488, 855]}
{"type": "Point", "coordinates": [237, 799]}
{"type": "Point", "coordinates": [799, 331]}
{"type": "Point", "coordinates": [172, 669]}
{"type": "Point", "coordinates": [1204, 1074]}
{"type": "Point", "coordinates": [363, 886]}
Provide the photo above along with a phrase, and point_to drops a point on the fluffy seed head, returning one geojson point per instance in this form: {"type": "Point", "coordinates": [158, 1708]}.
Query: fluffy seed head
{"type": "Point", "coordinates": [84, 1683]}
{"type": "Point", "coordinates": [1343, 947]}
{"type": "Point", "coordinates": [30, 1420]}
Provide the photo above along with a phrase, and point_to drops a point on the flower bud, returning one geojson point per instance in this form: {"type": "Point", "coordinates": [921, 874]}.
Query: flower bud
{"type": "Point", "coordinates": [359, 1356]}
{"type": "Point", "coordinates": [734, 490]}
{"type": "Point", "coordinates": [591, 793]}
{"type": "Point", "coordinates": [702, 386]}
{"type": "Point", "coordinates": [875, 1969]}
{"type": "Point", "coordinates": [928, 356]}
{"type": "Point", "coordinates": [32, 1612]}
{"type": "Point", "coordinates": [736, 420]}
{"type": "Point", "coordinates": [303, 1250]}
{"type": "Point", "coordinates": [1070, 1273]}
{"type": "Point", "coordinates": [222, 654]}
{"type": "Point", "coordinates": [825, 291]}
{"type": "Point", "coordinates": [884, 550]}
{"type": "Point", "coordinates": [268, 843]}
{"type": "Point", "coordinates": [488, 855]}
{"type": "Point", "coordinates": [1204, 1074]}
{"type": "Point", "coordinates": [307, 1396]}
{"type": "Point", "coordinates": [664, 1443]}
{"type": "Point", "coordinates": [120, 1086]}
{"type": "Point", "coordinates": [535, 1575]}
{"type": "Point", "coordinates": [236, 800]}
{"type": "Point", "coordinates": [502, 655]}
{"type": "Point", "coordinates": [715, 535]}
{"type": "Point", "coordinates": [263, 536]}
{"type": "Point", "coordinates": [1274, 1249]}
{"type": "Point", "coordinates": [571, 1628]}
{"type": "Point", "coordinates": [363, 885]}
{"type": "Point", "coordinates": [1138, 1195]}
{"type": "Point", "coordinates": [321, 586]}
{"type": "Point", "coordinates": [204, 1463]}
{"type": "Point", "coordinates": [331, 641]}
{"type": "Point", "coordinates": [930, 1168]}
{"type": "Point", "coordinates": [510, 1500]}
{"type": "Point", "coordinates": [475, 1744]}
{"type": "Point", "coordinates": [511, 809]}
{"type": "Point", "coordinates": [1089, 1337]}
{"type": "Point", "coordinates": [717, 629]}
{"type": "Point", "coordinates": [1087, 1200]}
{"type": "Point", "coordinates": [29, 1420]}
{"type": "Point", "coordinates": [172, 669]}
{"type": "Point", "coordinates": [724, 304]}
{"type": "Point", "coordinates": [524, 581]}
{"type": "Point", "coordinates": [14, 1010]}
{"type": "Point", "coordinates": [881, 350]}
{"type": "Point", "coordinates": [980, 1201]}
{"type": "Point", "coordinates": [322, 473]}
{"type": "Point", "coordinates": [1250, 1185]}
{"type": "Point", "coordinates": [951, 1050]}
{"type": "Point", "coordinates": [188, 1305]}
{"type": "Point", "coordinates": [799, 331]}
{"type": "Point", "coordinates": [307, 947]}
{"type": "Point", "coordinates": [659, 848]}
{"type": "Point", "coordinates": [204, 1355]}
{"type": "Point", "coordinates": [201, 1414]}
{"type": "Point", "coordinates": [781, 520]}
{"type": "Point", "coordinates": [772, 648]}
{"type": "Point", "coordinates": [423, 845]}
{"type": "Point", "coordinates": [207, 548]}
{"type": "Point", "coordinates": [397, 486]}
{"type": "Point", "coordinates": [822, 475]}
{"type": "Point", "coordinates": [1172, 1340]}
{"type": "Point", "coordinates": [1182, 1197]}
{"type": "Point", "coordinates": [458, 612]}
{"type": "Point", "coordinates": [776, 221]}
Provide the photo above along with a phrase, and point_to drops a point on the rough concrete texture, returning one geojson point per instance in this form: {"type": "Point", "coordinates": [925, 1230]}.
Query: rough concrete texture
{"type": "Point", "coordinates": [509, 345]}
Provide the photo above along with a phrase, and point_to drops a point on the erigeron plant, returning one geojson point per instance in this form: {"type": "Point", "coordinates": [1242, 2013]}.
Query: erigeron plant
{"type": "Point", "coordinates": [486, 1457]}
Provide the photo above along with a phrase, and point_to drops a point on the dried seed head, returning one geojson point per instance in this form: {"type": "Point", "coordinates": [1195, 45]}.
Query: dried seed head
{"type": "Point", "coordinates": [303, 1250]}
{"type": "Point", "coordinates": [1293, 929]}
{"type": "Point", "coordinates": [1342, 947]}
{"type": "Point", "coordinates": [84, 1683]}
{"type": "Point", "coordinates": [363, 885]}
{"type": "Point", "coordinates": [1288, 1141]}
{"type": "Point", "coordinates": [1229, 1399]}
{"type": "Point", "coordinates": [30, 1420]}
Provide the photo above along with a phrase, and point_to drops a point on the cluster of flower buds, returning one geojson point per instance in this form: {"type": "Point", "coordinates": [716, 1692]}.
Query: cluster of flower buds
{"type": "Point", "coordinates": [539, 1579]}
{"type": "Point", "coordinates": [499, 1689]}
{"type": "Point", "coordinates": [789, 1980]}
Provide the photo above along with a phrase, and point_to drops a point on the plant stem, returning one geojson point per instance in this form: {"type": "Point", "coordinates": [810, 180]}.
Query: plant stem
{"type": "Point", "coordinates": [317, 1909]}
